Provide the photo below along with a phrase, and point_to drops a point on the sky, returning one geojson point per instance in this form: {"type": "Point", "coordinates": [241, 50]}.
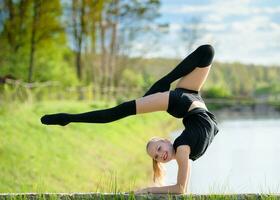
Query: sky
{"type": "Point", "coordinates": [246, 31]}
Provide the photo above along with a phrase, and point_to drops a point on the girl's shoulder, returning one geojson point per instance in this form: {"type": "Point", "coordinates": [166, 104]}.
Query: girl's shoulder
{"type": "Point", "coordinates": [182, 154]}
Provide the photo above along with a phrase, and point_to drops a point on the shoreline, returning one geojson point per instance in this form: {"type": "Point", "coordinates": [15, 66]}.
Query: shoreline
{"type": "Point", "coordinates": [239, 111]}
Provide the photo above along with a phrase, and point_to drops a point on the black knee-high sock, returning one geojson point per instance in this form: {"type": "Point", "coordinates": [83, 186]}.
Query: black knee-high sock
{"type": "Point", "coordinates": [201, 57]}
{"type": "Point", "coordinates": [99, 116]}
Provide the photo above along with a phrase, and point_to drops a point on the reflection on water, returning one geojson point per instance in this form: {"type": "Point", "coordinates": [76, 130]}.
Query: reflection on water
{"type": "Point", "coordinates": [243, 158]}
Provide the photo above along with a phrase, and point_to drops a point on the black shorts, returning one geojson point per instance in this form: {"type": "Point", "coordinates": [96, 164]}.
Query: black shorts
{"type": "Point", "coordinates": [180, 100]}
{"type": "Point", "coordinates": [200, 124]}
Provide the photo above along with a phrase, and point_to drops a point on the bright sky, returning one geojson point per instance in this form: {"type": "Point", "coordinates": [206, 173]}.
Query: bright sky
{"type": "Point", "coordinates": [247, 31]}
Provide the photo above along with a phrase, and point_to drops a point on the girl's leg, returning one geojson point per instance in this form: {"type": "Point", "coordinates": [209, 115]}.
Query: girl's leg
{"type": "Point", "coordinates": [194, 80]}
{"type": "Point", "coordinates": [201, 57]}
{"type": "Point", "coordinates": [98, 116]}
{"type": "Point", "coordinates": [151, 103]}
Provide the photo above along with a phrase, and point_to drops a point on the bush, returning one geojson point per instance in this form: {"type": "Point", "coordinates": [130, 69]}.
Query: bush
{"type": "Point", "coordinates": [268, 89]}
{"type": "Point", "coordinates": [217, 92]}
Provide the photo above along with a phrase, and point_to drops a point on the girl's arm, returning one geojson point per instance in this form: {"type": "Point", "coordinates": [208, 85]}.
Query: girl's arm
{"type": "Point", "coordinates": [182, 157]}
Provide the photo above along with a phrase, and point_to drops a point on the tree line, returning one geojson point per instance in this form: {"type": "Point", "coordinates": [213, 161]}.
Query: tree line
{"type": "Point", "coordinates": [73, 41]}
{"type": "Point", "coordinates": [89, 41]}
{"type": "Point", "coordinates": [224, 80]}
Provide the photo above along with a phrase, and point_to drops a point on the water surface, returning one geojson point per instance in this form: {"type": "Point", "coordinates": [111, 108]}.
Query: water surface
{"type": "Point", "coordinates": [244, 157]}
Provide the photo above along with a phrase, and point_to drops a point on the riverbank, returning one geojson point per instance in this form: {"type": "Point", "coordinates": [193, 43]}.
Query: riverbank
{"type": "Point", "coordinates": [243, 108]}
{"type": "Point", "coordinates": [78, 157]}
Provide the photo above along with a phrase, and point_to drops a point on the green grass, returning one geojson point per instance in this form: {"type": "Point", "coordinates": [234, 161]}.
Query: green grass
{"type": "Point", "coordinates": [131, 196]}
{"type": "Point", "coordinates": [79, 157]}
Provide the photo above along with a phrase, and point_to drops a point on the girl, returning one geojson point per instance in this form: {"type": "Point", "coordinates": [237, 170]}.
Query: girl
{"type": "Point", "coordinates": [184, 102]}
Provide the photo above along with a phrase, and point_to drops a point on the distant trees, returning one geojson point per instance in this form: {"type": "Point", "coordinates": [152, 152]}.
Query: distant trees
{"type": "Point", "coordinates": [100, 31]}
{"type": "Point", "coordinates": [33, 38]}
{"type": "Point", "coordinates": [244, 80]}
{"type": "Point", "coordinates": [88, 42]}
{"type": "Point", "coordinates": [33, 41]}
{"type": "Point", "coordinates": [119, 24]}
{"type": "Point", "coordinates": [225, 79]}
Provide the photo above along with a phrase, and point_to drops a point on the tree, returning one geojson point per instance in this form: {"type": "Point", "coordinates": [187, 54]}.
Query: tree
{"type": "Point", "coordinates": [124, 21]}
{"type": "Point", "coordinates": [30, 35]}
{"type": "Point", "coordinates": [14, 30]}
{"type": "Point", "coordinates": [44, 26]}
{"type": "Point", "coordinates": [81, 23]}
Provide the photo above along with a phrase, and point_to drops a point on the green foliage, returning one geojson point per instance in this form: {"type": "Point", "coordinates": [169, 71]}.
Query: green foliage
{"type": "Point", "coordinates": [266, 89]}
{"type": "Point", "coordinates": [132, 79]}
{"type": "Point", "coordinates": [49, 44]}
{"type": "Point", "coordinates": [216, 92]}
{"type": "Point", "coordinates": [51, 65]}
{"type": "Point", "coordinates": [243, 80]}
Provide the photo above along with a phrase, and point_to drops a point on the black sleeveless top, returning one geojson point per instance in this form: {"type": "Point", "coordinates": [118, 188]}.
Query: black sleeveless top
{"type": "Point", "coordinates": [200, 124]}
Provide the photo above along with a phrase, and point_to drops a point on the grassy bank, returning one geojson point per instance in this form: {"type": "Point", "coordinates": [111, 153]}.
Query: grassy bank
{"type": "Point", "coordinates": [78, 157]}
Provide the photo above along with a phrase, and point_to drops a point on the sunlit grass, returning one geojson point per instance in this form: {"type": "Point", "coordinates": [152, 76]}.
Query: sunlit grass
{"type": "Point", "coordinates": [79, 157]}
{"type": "Point", "coordinates": [115, 193]}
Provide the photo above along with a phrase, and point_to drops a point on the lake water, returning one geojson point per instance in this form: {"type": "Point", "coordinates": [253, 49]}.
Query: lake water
{"type": "Point", "coordinates": [244, 157]}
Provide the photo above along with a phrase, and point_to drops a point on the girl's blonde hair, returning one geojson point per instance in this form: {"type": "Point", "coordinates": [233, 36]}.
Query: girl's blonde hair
{"type": "Point", "coordinates": [158, 168]}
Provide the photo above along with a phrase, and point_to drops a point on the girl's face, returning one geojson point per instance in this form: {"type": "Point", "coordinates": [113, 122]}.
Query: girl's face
{"type": "Point", "coordinates": [161, 151]}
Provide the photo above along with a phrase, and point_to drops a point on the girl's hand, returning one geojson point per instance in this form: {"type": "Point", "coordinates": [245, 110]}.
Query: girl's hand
{"type": "Point", "coordinates": [141, 191]}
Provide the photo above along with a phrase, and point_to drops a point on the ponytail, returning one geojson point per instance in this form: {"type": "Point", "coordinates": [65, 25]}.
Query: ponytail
{"type": "Point", "coordinates": [159, 173]}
